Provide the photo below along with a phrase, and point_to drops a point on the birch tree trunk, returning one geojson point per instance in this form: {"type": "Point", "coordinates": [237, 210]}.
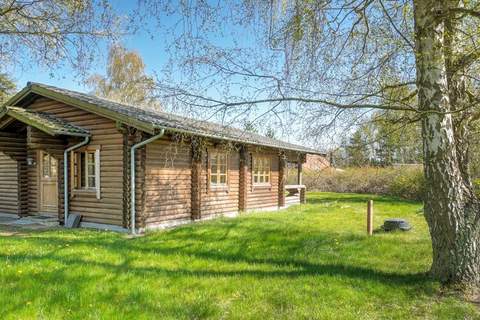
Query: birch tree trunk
{"type": "Point", "coordinates": [451, 209]}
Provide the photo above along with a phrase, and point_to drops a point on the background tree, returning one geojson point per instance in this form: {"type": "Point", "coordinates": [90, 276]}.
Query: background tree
{"type": "Point", "coordinates": [386, 138]}
{"type": "Point", "coordinates": [125, 80]}
{"type": "Point", "coordinates": [7, 88]}
{"type": "Point", "coordinates": [357, 150]}
{"type": "Point", "coordinates": [332, 63]}
{"type": "Point", "coordinates": [398, 141]}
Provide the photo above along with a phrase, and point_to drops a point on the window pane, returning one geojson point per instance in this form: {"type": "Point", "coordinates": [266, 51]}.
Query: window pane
{"type": "Point", "coordinates": [267, 178]}
{"type": "Point", "coordinates": [223, 179]}
{"type": "Point", "coordinates": [91, 157]}
{"type": "Point", "coordinates": [91, 182]}
{"type": "Point", "coordinates": [82, 169]}
{"type": "Point", "coordinates": [223, 169]}
{"type": "Point", "coordinates": [75, 171]}
{"type": "Point", "coordinates": [46, 165]}
{"type": "Point", "coordinates": [214, 169]}
{"type": "Point", "coordinates": [91, 170]}
{"type": "Point", "coordinates": [255, 179]}
{"type": "Point", "coordinates": [213, 178]}
{"type": "Point", "coordinates": [53, 166]}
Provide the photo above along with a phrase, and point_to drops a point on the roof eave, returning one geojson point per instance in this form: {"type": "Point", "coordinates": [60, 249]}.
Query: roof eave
{"type": "Point", "coordinates": [53, 132]}
{"type": "Point", "coordinates": [33, 88]}
{"type": "Point", "coordinates": [211, 136]}
{"type": "Point", "coordinates": [18, 97]}
{"type": "Point", "coordinates": [72, 134]}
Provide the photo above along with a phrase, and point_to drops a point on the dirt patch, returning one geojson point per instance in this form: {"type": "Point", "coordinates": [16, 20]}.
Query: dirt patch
{"type": "Point", "coordinates": [8, 231]}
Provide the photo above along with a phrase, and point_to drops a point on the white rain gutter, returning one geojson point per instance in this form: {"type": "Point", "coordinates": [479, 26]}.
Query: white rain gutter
{"type": "Point", "coordinates": [65, 174]}
{"type": "Point", "coordinates": [133, 171]}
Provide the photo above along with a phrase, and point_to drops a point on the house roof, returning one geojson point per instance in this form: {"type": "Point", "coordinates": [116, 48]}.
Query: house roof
{"type": "Point", "coordinates": [43, 122]}
{"type": "Point", "coordinates": [152, 120]}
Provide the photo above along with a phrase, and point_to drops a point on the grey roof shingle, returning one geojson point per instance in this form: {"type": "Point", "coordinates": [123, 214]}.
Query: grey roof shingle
{"type": "Point", "coordinates": [169, 121]}
{"type": "Point", "coordinates": [44, 121]}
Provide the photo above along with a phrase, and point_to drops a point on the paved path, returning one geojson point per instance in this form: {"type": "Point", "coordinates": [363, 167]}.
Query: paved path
{"type": "Point", "coordinates": [12, 225]}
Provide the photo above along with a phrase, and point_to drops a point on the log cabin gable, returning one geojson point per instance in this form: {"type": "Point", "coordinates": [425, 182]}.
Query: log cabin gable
{"type": "Point", "coordinates": [101, 203]}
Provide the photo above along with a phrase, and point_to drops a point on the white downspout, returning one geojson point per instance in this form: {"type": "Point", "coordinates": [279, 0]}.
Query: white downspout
{"type": "Point", "coordinates": [65, 174]}
{"type": "Point", "coordinates": [133, 171]}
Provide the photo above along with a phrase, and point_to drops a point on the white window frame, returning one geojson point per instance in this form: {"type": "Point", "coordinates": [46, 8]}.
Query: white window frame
{"type": "Point", "coordinates": [262, 172]}
{"type": "Point", "coordinates": [96, 176]}
{"type": "Point", "coordinates": [88, 164]}
{"type": "Point", "coordinates": [218, 173]}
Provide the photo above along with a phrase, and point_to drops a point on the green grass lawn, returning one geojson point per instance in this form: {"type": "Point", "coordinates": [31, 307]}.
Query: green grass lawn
{"type": "Point", "coordinates": [308, 262]}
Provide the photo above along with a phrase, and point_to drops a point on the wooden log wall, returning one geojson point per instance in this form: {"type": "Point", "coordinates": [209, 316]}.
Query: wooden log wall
{"type": "Point", "coordinates": [176, 184]}
{"type": "Point", "coordinates": [13, 181]}
{"type": "Point", "coordinates": [9, 185]}
{"type": "Point", "coordinates": [105, 135]}
{"type": "Point", "coordinates": [168, 176]}
{"type": "Point", "coordinates": [221, 200]}
{"type": "Point", "coordinates": [261, 197]}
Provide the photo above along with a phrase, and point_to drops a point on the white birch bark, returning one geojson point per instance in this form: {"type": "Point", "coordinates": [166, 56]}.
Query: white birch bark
{"type": "Point", "coordinates": [451, 212]}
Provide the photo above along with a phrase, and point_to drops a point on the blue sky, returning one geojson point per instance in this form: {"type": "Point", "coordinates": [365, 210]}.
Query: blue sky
{"type": "Point", "coordinates": [151, 50]}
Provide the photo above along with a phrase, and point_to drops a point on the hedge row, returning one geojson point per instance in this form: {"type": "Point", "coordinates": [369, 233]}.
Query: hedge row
{"type": "Point", "coordinates": [405, 182]}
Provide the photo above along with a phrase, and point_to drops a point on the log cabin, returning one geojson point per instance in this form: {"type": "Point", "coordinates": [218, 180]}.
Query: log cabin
{"type": "Point", "coordinates": [121, 167]}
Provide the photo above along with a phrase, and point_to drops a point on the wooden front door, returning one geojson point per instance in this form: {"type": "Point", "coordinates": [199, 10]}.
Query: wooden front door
{"type": "Point", "coordinates": [48, 167]}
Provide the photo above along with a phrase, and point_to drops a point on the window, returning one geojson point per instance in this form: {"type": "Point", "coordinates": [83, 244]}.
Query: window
{"type": "Point", "coordinates": [49, 166]}
{"type": "Point", "coordinates": [218, 169]}
{"type": "Point", "coordinates": [85, 171]}
{"type": "Point", "coordinates": [261, 170]}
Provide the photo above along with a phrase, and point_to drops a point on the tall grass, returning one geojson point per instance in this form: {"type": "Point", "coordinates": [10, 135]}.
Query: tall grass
{"type": "Point", "coordinates": [404, 182]}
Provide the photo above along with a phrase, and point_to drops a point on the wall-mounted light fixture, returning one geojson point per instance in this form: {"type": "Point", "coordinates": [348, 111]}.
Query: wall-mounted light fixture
{"type": "Point", "coordinates": [31, 162]}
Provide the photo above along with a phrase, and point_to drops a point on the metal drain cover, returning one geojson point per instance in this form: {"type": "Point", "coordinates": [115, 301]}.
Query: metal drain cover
{"type": "Point", "coordinates": [396, 224]}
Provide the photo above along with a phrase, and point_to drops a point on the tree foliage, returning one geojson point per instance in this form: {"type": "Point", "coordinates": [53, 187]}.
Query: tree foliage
{"type": "Point", "coordinates": [7, 88]}
{"type": "Point", "coordinates": [383, 140]}
{"type": "Point", "coordinates": [125, 80]}
{"type": "Point", "coordinates": [51, 32]}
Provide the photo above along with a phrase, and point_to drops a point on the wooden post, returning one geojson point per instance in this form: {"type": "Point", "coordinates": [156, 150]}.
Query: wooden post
{"type": "Point", "coordinates": [243, 178]}
{"type": "Point", "coordinates": [281, 179]}
{"type": "Point", "coordinates": [299, 172]}
{"type": "Point", "coordinates": [196, 195]}
{"type": "Point", "coordinates": [370, 217]}
{"type": "Point", "coordinates": [303, 195]}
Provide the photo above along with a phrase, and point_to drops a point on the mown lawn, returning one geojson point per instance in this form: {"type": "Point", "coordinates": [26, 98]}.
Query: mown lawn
{"type": "Point", "coordinates": [308, 262]}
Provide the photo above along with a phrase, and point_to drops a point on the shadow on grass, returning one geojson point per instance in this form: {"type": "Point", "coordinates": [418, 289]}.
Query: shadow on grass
{"type": "Point", "coordinates": [191, 242]}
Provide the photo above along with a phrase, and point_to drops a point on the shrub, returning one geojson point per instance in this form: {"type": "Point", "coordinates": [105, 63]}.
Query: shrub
{"type": "Point", "coordinates": [404, 182]}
